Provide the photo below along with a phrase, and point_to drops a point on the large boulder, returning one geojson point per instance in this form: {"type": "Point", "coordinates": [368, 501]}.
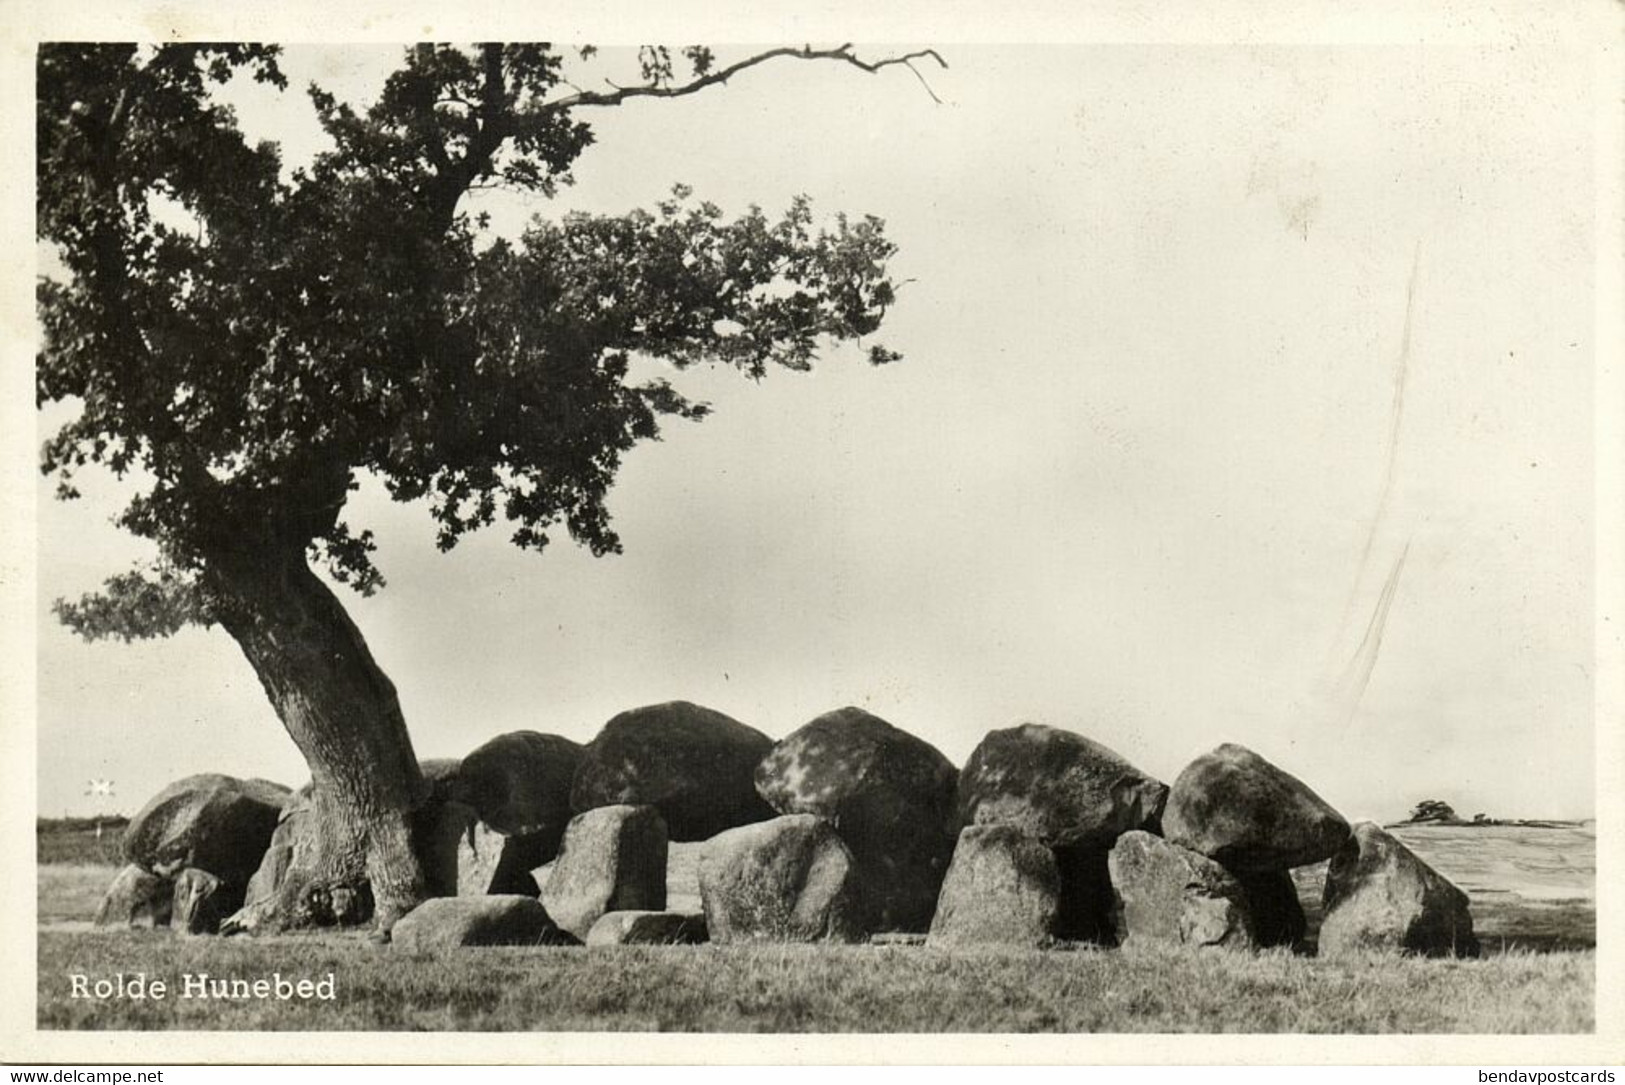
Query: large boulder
{"type": "Point", "coordinates": [452, 922]}
{"type": "Point", "coordinates": [1003, 889]}
{"type": "Point", "coordinates": [692, 763]}
{"type": "Point", "coordinates": [136, 898]}
{"type": "Point", "coordinates": [519, 784]}
{"type": "Point", "coordinates": [889, 795]}
{"type": "Point", "coordinates": [1233, 806]}
{"type": "Point", "coordinates": [1380, 896]}
{"type": "Point", "coordinates": [647, 929]}
{"type": "Point", "coordinates": [1057, 786]}
{"type": "Point", "coordinates": [1169, 894]}
{"type": "Point", "coordinates": [613, 859]}
{"type": "Point", "coordinates": [209, 822]}
{"type": "Point", "coordinates": [790, 879]}
{"type": "Point", "coordinates": [202, 901]}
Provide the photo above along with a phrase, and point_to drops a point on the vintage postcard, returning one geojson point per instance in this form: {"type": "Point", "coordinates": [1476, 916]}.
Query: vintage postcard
{"type": "Point", "coordinates": [916, 536]}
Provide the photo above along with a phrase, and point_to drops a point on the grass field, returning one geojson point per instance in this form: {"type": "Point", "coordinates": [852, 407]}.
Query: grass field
{"type": "Point", "coordinates": [818, 988]}
{"type": "Point", "coordinates": [1533, 901]}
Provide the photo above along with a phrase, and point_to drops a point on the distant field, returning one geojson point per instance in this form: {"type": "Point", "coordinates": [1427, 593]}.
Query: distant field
{"type": "Point", "coordinates": [1533, 893]}
{"type": "Point", "coordinates": [75, 840]}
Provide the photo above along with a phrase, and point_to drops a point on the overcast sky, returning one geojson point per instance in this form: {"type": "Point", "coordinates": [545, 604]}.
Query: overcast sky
{"type": "Point", "coordinates": [1247, 397]}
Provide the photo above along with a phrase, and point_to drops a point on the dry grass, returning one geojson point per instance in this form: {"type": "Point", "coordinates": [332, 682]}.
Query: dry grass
{"type": "Point", "coordinates": [819, 988]}
{"type": "Point", "coordinates": [851, 988]}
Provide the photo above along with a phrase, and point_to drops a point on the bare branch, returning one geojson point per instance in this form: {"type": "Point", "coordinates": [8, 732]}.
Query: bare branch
{"type": "Point", "coordinates": [842, 53]}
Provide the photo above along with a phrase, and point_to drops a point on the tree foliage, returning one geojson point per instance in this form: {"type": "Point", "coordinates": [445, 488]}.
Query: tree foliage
{"type": "Point", "coordinates": [1433, 810]}
{"type": "Point", "coordinates": [254, 341]}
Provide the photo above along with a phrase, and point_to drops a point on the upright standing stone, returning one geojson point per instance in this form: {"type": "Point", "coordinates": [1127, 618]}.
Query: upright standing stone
{"type": "Point", "coordinates": [890, 797]}
{"type": "Point", "coordinates": [1169, 894]}
{"type": "Point", "coordinates": [136, 898]}
{"type": "Point", "coordinates": [1002, 888]}
{"type": "Point", "coordinates": [694, 764]}
{"type": "Point", "coordinates": [1380, 896]}
{"type": "Point", "coordinates": [1233, 806]}
{"type": "Point", "coordinates": [790, 879]}
{"type": "Point", "coordinates": [613, 859]}
{"type": "Point", "coordinates": [201, 902]}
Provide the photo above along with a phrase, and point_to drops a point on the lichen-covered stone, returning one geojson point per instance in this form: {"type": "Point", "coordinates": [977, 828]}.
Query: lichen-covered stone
{"type": "Point", "coordinates": [694, 764]}
{"type": "Point", "coordinates": [136, 898]}
{"type": "Point", "coordinates": [613, 859]}
{"type": "Point", "coordinates": [201, 902]}
{"type": "Point", "coordinates": [208, 822]}
{"type": "Point", "coordinates": [519, 785]}
{"type": "Point", "coordinates": [890, 797]}
{"type": "Point", "coordinates": [1380, 896]}
{"type": "Point", "coordinates": [790, 879]}
{"type": "Point", "coordinates": [453, 922]}
{"type": "Point", "coordinates": [1057, 786]}
{"type": "Point", "coordinates": [1233, 806]}
{"type": "Point", "coordinates": [1172, 895]}
{"type": "Point", "coordinates": [1003, 889]}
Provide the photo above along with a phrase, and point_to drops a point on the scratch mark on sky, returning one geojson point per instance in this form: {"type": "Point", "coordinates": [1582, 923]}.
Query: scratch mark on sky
{"type": "Point", "coordinates": [1357, 676]}
{"type": "Point", "coordinates": [1395, 419]}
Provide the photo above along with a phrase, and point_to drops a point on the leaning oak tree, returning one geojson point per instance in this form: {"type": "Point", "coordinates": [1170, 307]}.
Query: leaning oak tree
{"type": "Point", "coordinates": [246, 345]}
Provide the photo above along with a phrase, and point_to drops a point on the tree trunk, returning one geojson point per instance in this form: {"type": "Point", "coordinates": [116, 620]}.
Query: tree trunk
{"type": "Point", "coordinates": [356, 856]}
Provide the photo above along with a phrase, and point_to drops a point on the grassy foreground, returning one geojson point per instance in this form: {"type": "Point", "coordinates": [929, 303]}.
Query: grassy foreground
{"type": "Point", "coordinates": [816, 989]}
{"type": "Point", "coordinates": [1533, 890]}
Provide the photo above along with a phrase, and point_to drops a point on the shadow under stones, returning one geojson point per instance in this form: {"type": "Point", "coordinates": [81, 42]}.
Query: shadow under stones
{"type": "Point", "coordinates": [1087, 902]}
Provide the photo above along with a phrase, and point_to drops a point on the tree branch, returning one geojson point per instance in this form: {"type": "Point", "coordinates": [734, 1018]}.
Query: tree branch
{"type": "Point", "coordinates": [841, 53]}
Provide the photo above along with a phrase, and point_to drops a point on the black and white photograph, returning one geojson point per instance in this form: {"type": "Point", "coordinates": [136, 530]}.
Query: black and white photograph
{"type": "Point", "coordinates": [1081, 534]}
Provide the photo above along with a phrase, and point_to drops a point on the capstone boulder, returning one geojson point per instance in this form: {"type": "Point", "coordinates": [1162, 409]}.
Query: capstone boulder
{"type": "Point", "coordinates": [890, 797]}
{"type": "Point", "coordinates": [209, 822]}
{"type": "Point", "coordinates": [694, 764]}
{"type": "Point", "coordinates": [519, 785]}
{"type": "Point", "coordinates": [1233, 806]}
{"type": "Point", "coordinates": [1057, 786]}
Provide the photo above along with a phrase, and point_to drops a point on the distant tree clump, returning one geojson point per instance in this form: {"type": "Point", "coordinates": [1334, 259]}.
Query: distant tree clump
{"type": "Point", "coordinates": [1433, 810]}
